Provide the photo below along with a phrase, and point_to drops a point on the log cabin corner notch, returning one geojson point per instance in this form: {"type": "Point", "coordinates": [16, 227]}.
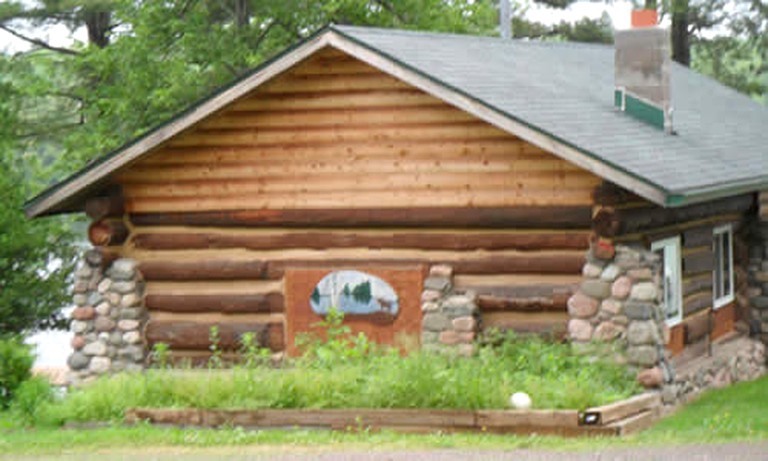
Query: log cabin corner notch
{"type": "Point", "coordinates": [394, 152]}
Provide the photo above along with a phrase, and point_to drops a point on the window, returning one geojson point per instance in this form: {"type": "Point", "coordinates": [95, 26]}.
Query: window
{"type": "Point", "coordinates": [722, 275]}
{"type": "Point", "coordinates": [669, 250]}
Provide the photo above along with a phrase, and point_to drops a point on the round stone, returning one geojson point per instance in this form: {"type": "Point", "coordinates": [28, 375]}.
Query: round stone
{"type": "Point", "coordinates": [607, 331]}
{"type": "Point", "coordinates": [104, 324]}
{"type": "Point", "coordinates": [441, 270]}
{"type": "Point", "coordinates": [464, 324]}
{"type": "Point", "coordinates": [94, 298]}
{"type": "Point", "coordinates": [449, 337]}
{"type": "Point", "coordinates": [644, 356]}
{"type": "Point", "coordinates": [130, 300]}
{"type": "Point", "coordinates": [427, 307]}
{"type": "Point", "coordinates": [104, 286]}
{"type": "Point", "coordinates": [103, 308]}
{"type": "Point", "coordinates": [83, 313]}
{"type": "Point", "coordinates": [651, 377]}
{"type": "Point", "coordinates": [78, 361]}
{"type": "Point", "coordinates": [93, 258]}
{"type": "Point", "coordinates": [591, 271]}
{"type": "Point", "coordinates": [435, 322]}
{"type": "Point", "coordinates": [127, 325]}
{"type": "Point", "coordinates": [115, 338]}
{"type": "Point", "coordinates": [610, 273]}
{"type": "Point", "coordinates": [611, 306]}
{"type": "Point", "coordinates": [582, 306]}
{"type": "Point", "coordinates": [78, 326]}
{"type": "Point", "coordinates": [100, 365]}
{"type": "Point", "coordinates": [644, 291]}
{"type": "Point", "coordinates": [113, 298]}
{"type": "Point", "coordinates": [132, 337]}
{"type": "Point", "coordinates": [123, 287]}
{"type": "Point", "coordinates": [597, 289]}
{"type": "Point", "coordinates": [579, 330]}
{"type": "Point", "coordinates": [84, 272]}
{"type": "Point", "coordinates": [80, 299]}
{"type": "Point", "coordinates": [131, 313]}
{"type": "Point", "coordinates": [429, 296]}
{"type": "Point", "coordinates": [621, 287]}
{"type": "Point", "coordinates": [78, 342]}
{"type": "Point", "coordinates": [95, 348]}
{"type": "Point", "coordinates": [643, 332]}
{"type": "Point", "coordinates": [133, 353]}
{"type": "Point", "coordinates": [122, 269]}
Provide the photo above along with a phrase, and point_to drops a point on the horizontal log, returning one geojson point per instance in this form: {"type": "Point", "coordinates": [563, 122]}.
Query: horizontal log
{"type": "Point", "coordinates": [526, 217]}
{"type": "Point", "coordinates": [98, 208]}
{"type": "Point", "coordinates": [696, 283]}
{"type": "Point", "coordinates": [609, 194]}
{"type": "Point", "coordinates": [700, 260]}
{"type": "Point", "coordinates": [230, 304]}
{"type": "Point", "coordinates": [696, 302]}
{"type": "Point", "coordinates": [196, 335]}
{"type": "Point", "coordinates": [541, 323]}
{"type": "Point", "coordinates": [633, 220]}
{"type": "Point", "coordinates": [698, 237]}
{"type": "Point", "coordinates": [107, 232]}
{"type": "Point", "coordinates": [203, 270]}
{"type": "Point", "coordinates": [368, 98]}
{"type": "Point", "coordinates": [535, 304]}
{"type": "Point", "coordinates": [543, 264]}
{"type": "Point", "coordinates": [697, 326]}
{"type": "Point", "coordinates": [439, 240]}
{"type": "Point", "coordinates": [523, 291]}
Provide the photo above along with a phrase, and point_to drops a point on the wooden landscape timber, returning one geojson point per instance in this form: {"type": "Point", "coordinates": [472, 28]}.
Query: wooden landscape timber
{"type": "Point", "coordinates": [618, 419]}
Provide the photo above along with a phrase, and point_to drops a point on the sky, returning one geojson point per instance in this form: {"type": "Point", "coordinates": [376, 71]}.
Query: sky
{"type": "Point", "coordinates": [52, 348]}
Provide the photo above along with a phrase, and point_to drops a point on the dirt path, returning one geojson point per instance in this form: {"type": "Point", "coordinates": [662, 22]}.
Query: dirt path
{"type": "Point", "coordinates": [733, 451]}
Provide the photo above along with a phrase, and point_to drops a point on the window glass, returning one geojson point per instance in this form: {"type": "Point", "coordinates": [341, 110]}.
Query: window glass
{"type": "Point", "coordinates": [669, 253]}
{"type": "Point", "coordinates": [722, 273]}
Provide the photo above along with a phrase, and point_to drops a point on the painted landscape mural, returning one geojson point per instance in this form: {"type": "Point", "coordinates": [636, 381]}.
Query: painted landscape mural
{"type": "Point", "coordinates": [356, 294]}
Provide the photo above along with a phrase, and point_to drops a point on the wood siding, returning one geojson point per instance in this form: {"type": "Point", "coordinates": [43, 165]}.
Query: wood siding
{"type": "Point", "coordinates": [628, 218]}
{"type": "Point", "coordinates": [334, 164]}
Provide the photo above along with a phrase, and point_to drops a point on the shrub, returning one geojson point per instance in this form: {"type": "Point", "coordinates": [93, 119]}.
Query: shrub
{"type": "Point", "coordinates": [30, 399]}
{"type": "Point", "coordinates": [16, 361]}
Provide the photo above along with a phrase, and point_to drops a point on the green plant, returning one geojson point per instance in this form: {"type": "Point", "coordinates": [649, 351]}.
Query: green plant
{"type": "Point", "coordinates": [214, 337]}
{"type": "Point", "coordinates": [332, 343]}
{"type": "Point", "coordinates": [160, 354]}
{"type": "Point", "coordinates": [253, 355]}
{"type": "Point", "coordinates": [30, 398]}
{"type": "Point", "coordinates": [16, 361]}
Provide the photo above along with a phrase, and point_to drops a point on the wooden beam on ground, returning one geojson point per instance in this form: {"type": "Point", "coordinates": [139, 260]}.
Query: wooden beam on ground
{"type": "Point", "coordinates": [607, 414]}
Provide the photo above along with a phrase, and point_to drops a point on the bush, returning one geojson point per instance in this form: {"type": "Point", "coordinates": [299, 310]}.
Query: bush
{"type": "Point", "coordinates": [16, 361]}
{"type": "Point", "coordinates": [30, 399]}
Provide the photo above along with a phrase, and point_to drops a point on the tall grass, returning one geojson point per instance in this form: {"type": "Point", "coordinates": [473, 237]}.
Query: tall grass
{"type": "Point", "coordinates": [361, 375]}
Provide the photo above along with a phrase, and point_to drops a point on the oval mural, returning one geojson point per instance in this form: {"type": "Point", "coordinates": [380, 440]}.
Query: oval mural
{"type": "Point", "coordinates": [356, 294]}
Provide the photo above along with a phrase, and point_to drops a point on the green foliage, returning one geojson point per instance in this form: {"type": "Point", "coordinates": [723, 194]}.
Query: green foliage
{"type": "Point", "coordinates": [30, 399]}
{"type": "Point", "coordinates": [214, 337]}
{"type": "Point", "coordinates": [346, 371]}
{"type": "Point", "coordinates": [16, 361]}
{"type": "Point", "coordinates": [160, 355]}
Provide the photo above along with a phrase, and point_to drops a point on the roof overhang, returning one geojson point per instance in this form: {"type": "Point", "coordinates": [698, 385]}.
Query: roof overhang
{"type": "Point", "coordinates": [69, 194]}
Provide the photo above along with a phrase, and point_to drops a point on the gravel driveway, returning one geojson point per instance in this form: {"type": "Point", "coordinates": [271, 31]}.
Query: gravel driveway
{"type": "Point", "coordinates": [732, 451]}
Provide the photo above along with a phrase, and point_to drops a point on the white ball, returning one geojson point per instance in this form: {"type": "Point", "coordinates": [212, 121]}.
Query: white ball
{"type": "Point", "coordinates": [520, 401]}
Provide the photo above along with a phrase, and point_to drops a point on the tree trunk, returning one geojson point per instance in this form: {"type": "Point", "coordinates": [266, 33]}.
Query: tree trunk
{"type": "Point", "coordinates": [98, 25]}
{"type": "Point", "coordinates": [681, 48]}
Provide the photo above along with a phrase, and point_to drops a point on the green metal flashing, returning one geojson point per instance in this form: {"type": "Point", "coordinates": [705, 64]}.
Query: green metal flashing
{"type": "Point", "coordinates": [638, 108]}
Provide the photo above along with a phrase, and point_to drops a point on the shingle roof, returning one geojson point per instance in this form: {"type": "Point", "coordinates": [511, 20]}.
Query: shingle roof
{"type": "Point", "coordinates": [566, 90]}
{"type": "Point", "coordinates": [555, 93]}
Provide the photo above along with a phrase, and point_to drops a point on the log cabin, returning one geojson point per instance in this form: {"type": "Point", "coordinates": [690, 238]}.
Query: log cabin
{"type": "Point", "coordinates": [554, 188]}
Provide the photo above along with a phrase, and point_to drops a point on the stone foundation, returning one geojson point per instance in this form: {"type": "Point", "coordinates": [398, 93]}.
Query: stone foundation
{"type": "Point", "coordinates": [108, 320]}
{"type": "Point", "coordinates": [618, 301]}
{"type": "Point", "coordinates": [450, 318]}
{"type": "Point", "coordinates": [737, 359]}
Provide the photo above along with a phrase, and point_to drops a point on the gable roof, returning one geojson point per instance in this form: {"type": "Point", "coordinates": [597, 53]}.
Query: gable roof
{"type": "Point", "coordinates": [558, 96]}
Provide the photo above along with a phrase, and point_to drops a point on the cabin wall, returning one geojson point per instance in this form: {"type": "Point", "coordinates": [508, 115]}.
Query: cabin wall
{"type": "Point", "coordinates": [625, 219]}
{"type": "Point", "coordinates": [335, 165]}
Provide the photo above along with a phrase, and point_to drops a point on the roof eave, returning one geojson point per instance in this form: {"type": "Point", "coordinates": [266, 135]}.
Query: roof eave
{"type": "Point", "coordinates": [678, 199]}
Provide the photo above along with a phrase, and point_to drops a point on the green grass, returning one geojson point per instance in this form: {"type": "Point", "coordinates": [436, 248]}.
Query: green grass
{"type": "Point", "coordinates": [552, 374]}
{"type": "Point", "coordinates": [737, 413]}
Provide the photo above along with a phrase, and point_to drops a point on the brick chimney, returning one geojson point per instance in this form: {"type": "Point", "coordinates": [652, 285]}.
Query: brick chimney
{"type": "Point", "coordinates": [642, 70]}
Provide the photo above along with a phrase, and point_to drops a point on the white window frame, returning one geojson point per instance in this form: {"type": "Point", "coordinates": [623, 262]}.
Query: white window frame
{"type": "Point", "coordinates": [671, 285]}
{"type": "Point", "coordinates": [726, 298]}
